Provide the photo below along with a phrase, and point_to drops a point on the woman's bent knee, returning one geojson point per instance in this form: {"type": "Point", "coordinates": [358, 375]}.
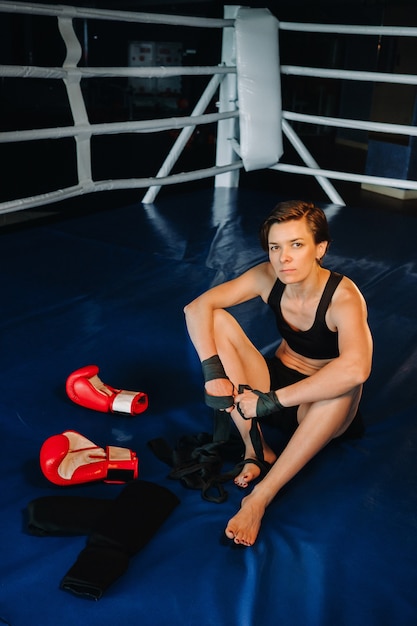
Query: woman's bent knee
{"type": "Point", "coordinates": [341, 410]}
{"type": "Point", "coordinates": [226, 328]}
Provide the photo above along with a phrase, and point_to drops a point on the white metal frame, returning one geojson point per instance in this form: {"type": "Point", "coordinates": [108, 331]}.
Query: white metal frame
{"type": "Point", "coordinates": [223, 78]}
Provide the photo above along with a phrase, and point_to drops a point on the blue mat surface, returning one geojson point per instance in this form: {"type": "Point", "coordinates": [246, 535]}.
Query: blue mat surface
{"type": "Point", "coordinates": [337, 546]}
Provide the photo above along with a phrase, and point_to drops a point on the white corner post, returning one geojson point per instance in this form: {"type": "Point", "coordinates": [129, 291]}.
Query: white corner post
{"type": "Point", "coordinates": [227, 129]}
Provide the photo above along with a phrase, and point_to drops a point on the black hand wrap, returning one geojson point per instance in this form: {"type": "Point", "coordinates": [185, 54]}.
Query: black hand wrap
{"type": "Point", "coordinates": [241, 389]}
{"type": "Point", "coordinates": [212, 369]}
{"type": "Point", "coordinates": [267, 403]}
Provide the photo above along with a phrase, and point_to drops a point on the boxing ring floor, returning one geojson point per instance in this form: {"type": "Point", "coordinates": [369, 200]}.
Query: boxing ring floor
{"type": "Point", "coordinates": [337, 546]}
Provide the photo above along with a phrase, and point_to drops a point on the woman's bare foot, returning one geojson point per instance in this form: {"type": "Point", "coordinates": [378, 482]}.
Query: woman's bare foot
{"type": "Point", "coordinates": [244, 527]}
{"type": "Point", "coordinates": [251, 471]}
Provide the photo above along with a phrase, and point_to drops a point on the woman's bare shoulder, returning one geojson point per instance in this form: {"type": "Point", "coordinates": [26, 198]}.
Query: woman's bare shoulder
{"type": "Point", "coordinates": [265, 278]}
{"type": "Point", "coordinates": [347, 297]}
{"type": "Point", "coordinates": [348, 289]}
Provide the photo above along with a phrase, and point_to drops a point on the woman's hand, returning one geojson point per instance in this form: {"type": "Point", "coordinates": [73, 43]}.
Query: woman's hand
{"type": "Point", "coordinates": [246, 402]}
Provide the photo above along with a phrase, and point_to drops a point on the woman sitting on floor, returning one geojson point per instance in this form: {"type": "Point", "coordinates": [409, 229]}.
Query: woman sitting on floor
{"type": "Point", "coordinates": [318, 370]}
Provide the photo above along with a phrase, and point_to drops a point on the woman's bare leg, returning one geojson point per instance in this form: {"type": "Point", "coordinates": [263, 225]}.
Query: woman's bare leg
{"type": "Point", "coordinates": [243, 364]}
{"type": "Point", "coordinates": [250, 471]}
{"type": "Point", "coordinates": [319, 424]}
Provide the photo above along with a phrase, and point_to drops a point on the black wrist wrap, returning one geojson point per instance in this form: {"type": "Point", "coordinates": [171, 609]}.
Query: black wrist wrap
{"type": "Point", "coordinates": [213, 368]}
{"type": "Point", "coordinates": [267, 403]}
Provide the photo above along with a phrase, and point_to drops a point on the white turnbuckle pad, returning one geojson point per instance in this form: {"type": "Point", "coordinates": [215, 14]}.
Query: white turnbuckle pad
{"type": "Point", "coordinates": [259, 88]}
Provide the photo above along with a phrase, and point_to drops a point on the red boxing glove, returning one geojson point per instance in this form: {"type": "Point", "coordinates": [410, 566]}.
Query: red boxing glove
{"type": "Point", "coordinates": [72, 459]}
{"type": "Point", "coordinates": [81, 390]}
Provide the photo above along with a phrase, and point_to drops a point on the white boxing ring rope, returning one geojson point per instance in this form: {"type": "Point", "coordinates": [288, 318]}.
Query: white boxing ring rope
{"type": "Point", "coordinates": [381, 77]}
{"type": "Point", "coordinates": [346, 29]}
{"type": "Point", "coordinates": [111, 72]}
{"type": "Point", "coordinates": [230, 110]}
{"type": "Point", "coordinates": [113, 15]}
{"type": "Point", "coordinates": [143, 126]}
{"type": "Point", "coordinates": [337, 122]}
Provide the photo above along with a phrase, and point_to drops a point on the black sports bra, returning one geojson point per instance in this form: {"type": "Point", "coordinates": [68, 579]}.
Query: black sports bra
{"type": "Point", "coordinates": [319, 342]}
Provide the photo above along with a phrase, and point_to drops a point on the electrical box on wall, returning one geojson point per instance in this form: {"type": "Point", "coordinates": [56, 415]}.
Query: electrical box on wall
{"type": "Point", "coordinates": [155, 54]}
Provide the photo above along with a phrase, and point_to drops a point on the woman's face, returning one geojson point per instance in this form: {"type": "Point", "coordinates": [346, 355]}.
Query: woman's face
{"type": "Point", "coordinates": [293, 252]}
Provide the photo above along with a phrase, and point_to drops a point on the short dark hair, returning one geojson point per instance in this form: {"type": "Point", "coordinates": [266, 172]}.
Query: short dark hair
{"type": "Point", "coordinates": [296, 210]}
